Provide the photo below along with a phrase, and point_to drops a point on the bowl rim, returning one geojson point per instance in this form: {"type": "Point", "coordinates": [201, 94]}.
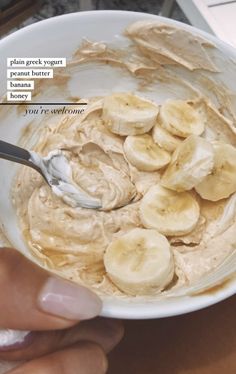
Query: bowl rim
{"type": "Point", "coordinates": [145, 310]}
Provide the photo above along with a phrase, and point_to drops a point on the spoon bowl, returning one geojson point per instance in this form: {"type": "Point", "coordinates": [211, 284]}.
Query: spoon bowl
{"type": "Point", "coordinates": [55, 170]}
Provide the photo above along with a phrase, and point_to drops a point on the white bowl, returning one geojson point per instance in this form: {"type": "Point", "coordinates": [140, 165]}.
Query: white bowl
{"type": "Point", "coordinates": [59, 37]}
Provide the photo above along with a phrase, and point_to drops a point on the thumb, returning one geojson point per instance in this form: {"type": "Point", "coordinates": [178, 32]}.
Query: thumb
{"type": "Point", "coordinates": [33, 299]}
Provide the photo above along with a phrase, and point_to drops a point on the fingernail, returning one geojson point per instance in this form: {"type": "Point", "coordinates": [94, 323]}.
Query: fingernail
{"type": "Point", "coordinates": [68, 300]}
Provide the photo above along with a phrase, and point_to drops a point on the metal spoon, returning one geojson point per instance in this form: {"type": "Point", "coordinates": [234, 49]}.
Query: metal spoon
{"type": "Point", "coordinates": [56, 171]}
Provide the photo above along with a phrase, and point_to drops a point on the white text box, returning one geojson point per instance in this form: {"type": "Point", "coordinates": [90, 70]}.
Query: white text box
{"type": "Point", "coordinates": [19, 85]}
{"type": "Point", "coordinates": [36, 62]}
{"type": "Point", "coordinates": [18, 96]}
{"type": "Point", "coordinates": [30, 73]}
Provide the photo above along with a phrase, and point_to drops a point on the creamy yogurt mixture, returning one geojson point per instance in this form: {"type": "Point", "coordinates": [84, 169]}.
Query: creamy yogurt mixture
{"type": "Point", "coordinates": [165, 176]}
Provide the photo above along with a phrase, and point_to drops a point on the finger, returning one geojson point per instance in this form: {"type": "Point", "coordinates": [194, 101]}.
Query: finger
{"type": "Point", "coordinates": [105, 332]}
{"type": "Point", "coordinates": [82, 358]}
{"type": "Point", "coordinates": [32, 299]}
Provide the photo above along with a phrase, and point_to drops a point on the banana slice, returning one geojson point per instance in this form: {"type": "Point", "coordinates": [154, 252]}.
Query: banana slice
{"type": "Point", "coordinates": [164, 139]}
{"type": "Point", "coordinates": [171, 213]}
{"type": "Point", "coordinates": [127, 114]}
{"type": "Point", "coordinates": [181, 119]}
{"type": "Point", "coordinates": [191, 162]}
{"type": "Point", "coordinates": [144, 154]}
{"type": "Point", "coordinates": [140, 262]}
{"type": "Point", "coordinates": [221, 183]}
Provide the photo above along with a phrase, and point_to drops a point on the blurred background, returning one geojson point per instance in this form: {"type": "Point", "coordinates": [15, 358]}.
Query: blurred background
{"type": "Point", "coordinates": [15, 14]}
{"type": "Point", "coordinates": [214, 16]}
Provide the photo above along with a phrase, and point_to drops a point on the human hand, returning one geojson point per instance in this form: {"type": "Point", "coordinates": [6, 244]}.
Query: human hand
{"type": "Point", "coordinates": [32, 299]}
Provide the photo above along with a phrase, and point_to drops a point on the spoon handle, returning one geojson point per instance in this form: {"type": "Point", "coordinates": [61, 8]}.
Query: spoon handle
{"type": "Point", "coordinates": [14, 153]}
